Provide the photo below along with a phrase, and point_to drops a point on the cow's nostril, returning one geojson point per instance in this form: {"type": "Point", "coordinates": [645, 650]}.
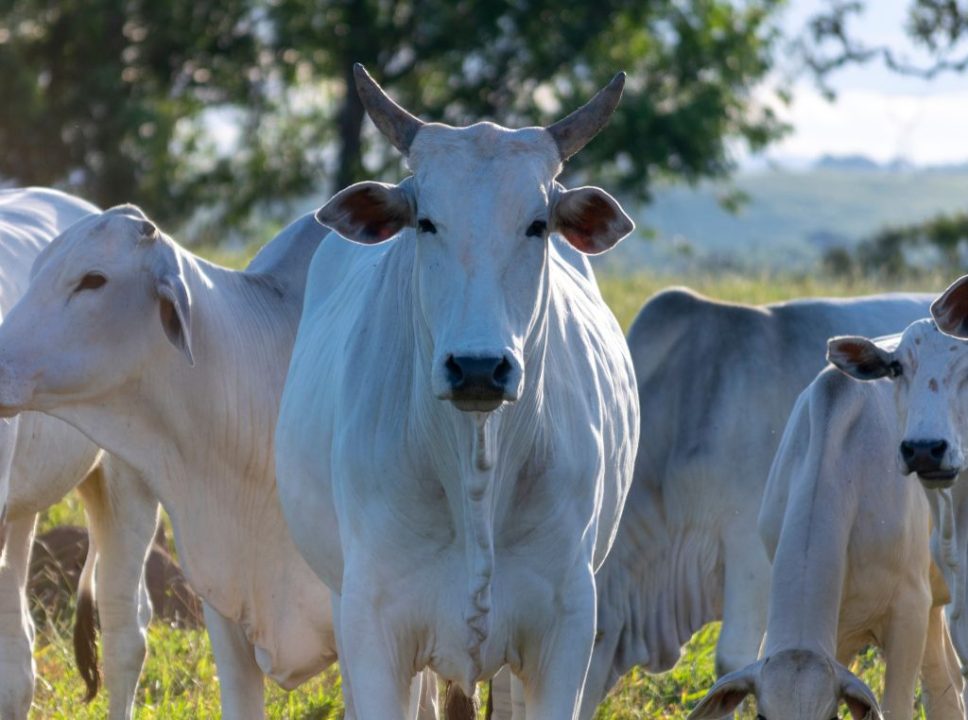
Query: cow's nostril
{"type": "Point", "coordinates": [455, 374]}
{"type": "Point", "coordinates": [907, 450]}
{"type": "Point", "coordinates": [938, 449]}
{"type": "Point", "coordinates": [502, 372]}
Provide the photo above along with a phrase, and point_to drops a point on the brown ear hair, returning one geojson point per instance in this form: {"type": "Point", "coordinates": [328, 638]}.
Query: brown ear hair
{"type": "Point", "coordinates": [859, 698]}
{"type": "Point", "coordinates": [368, 212]}
{"type": "Point", "coordinates": [590, 219]}
{"type": "Point", "coordinates": [860, 358]}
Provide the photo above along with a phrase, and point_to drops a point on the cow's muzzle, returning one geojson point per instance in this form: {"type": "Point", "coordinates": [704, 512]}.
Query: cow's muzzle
{"type": "Point", "coordinates": [927, 459]}
{"type": "Point", "coordinates": [480, 383]}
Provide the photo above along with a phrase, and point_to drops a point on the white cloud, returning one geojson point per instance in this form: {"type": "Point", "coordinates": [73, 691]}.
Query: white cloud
{"type": "Point", "coordinates": [923, 129]}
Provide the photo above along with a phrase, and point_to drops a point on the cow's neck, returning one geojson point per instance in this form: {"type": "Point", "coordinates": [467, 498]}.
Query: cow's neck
{"type": "Point", "coordinates": [485, 458]}
{"type": "Point", "coordinates": [202, 435]}
{"type": "Point", "coordinates": [809, 569]}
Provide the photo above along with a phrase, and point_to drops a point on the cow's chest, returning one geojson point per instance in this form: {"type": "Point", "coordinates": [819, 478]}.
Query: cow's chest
{"type": "Point", "coordinates": [420, 544]}
{"type": "Point", "coordinates": [394, 504]}
{"type": "Point", "coordinates": [424, 601]}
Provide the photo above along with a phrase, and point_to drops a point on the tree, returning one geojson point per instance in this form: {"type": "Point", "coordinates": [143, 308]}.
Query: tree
{"type": "Point", "coordinates": [938, 28]}
{"type": "Point", "coordinates": [938, 243]}
{"type": "Point", "coordinates": [691, 68]}
{"type": "Point", "coordinates": [126, 99]}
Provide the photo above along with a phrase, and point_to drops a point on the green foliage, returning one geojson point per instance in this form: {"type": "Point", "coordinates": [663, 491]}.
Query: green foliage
{"type": "Point", "coordinates": [937, 28]}
{"type": "Point", "coordinates": [141, 101]}
{"type": "Point", "coordinates": [691, 66]}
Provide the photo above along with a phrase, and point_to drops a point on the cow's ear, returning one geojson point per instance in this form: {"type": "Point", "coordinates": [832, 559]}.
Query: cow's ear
{"type": "Point", "coordinates": [950, 311]}
{"type": "Point", "coordinates": [860, 358]}
{"type": "Point", "coordinates": [368, 212]}
{"type": "Point", "coordinates": [175, 305]}
{"type": "Point", "coordinates": [726, 695]}
{"type": "Point", "coordinates": [859, 698]}
{"type": "Point", "coordinates": [590, 219]}
{"type": "Point", "coordinates": [174, 298]}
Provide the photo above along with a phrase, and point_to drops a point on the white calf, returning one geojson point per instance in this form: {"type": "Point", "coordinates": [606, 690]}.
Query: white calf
{"type": "Point", "coordinates": [851, 537]}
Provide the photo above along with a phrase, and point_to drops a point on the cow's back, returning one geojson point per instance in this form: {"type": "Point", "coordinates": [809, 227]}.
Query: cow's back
{"type": "Point", "coordinates": [717, 380]}
{"type": "Point", "coordinates": [46, 447]}
{"type": "Point", "coordinates": [29, 219]}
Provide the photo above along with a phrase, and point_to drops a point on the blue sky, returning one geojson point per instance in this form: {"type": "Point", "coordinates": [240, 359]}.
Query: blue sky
{"type": "Point", "coordinates": [876, 113]}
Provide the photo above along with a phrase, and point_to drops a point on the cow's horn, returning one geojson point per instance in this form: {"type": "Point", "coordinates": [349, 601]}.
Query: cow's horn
{"type": "Point", "coordinates": [393, 121]}
{"type": "Point", "coordinates": [572, 133]}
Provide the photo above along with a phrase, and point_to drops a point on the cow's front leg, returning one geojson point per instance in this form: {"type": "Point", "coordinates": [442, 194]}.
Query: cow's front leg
{"type": "Point", "coordinates": [942, 685]}
{"type": "Point", "coordinates": [16, 628]}
{"type": "Point", "coordinates": [507, 696]}
{"type": "Point", "coordinates": [554, 674]}
{"type": "Point", "coordinates": [370, 655]}
{"type": "Point", "coordinates": [122, 517]}
{"type": "Point", "coordinates": [241, 683]}
{"type": "Point", "coordinates": [904, 643]}
{"type": "Point", "coordinates": [423, 696]}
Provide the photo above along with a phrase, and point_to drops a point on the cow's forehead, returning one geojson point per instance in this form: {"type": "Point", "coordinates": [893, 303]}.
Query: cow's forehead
{"type": "Point", "coordinates": [485, 151]}
{"type": "Point", "coordinates": [105, 239]}
{"type": "Point", "coordinates": [933, 347]}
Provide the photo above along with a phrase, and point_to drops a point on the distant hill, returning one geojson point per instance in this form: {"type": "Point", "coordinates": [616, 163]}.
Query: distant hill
{"type": "Point", "coordinates": [791, 218]}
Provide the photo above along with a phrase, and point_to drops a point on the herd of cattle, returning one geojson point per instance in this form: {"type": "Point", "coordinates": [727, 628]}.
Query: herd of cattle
{"type": "Point", "coordinates": [414, 445]}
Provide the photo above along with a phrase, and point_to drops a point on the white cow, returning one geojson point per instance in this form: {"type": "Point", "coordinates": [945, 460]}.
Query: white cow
{"type": "Point", "coordinates": [932, 417]}
{"type": "Point", "coordinates": [459, 422]}
{"type": "Point", "coordinates": [50, 458]}
{"type": "Point", "coordinates": [176, 365]}
{"type": "Point", "coordinates": [687, 551]}
{"type": "Point", "coordinates": [851, 537]}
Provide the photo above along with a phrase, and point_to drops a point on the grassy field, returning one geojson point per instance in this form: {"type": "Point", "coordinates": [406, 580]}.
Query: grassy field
{"type": "Point", "coordinates": [179, 681]}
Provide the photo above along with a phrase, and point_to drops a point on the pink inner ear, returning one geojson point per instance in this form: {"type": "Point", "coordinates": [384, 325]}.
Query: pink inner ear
{"type": "Point", "coordinates": [858, 709]}
{"type": "Point", "coordinates": [382, 231]}
{"type": "Point", "coordinates": [374, 210]}
{"type": "Point", "coordinates": [951, 312]}
{"type": "Point", "coordinates": [853, 351]}
{"type": "Point", "coordinates": [586, 223]}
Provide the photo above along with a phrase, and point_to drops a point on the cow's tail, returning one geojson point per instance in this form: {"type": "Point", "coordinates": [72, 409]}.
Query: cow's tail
{"type": "Point", "coordinates": [85, 627]}
{"type": "Point", "coordinates": [457, 706]}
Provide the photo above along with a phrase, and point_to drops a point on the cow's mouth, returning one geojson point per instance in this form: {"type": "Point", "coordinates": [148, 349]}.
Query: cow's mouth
{"type": "Point", "coordinates": [938, 479]}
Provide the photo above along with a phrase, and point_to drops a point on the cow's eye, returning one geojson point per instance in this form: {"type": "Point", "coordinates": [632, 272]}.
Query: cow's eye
{"type": "Point", "coordinates": [537, 229]}
{"type": "Point", "coordinates": [91, 281]}
{"type": "Point", "coordinates": [760, 717]}
{"type": "Point", "coordinates": [895, 369]}
{"type": "Point", "coordinates": [425, 226]}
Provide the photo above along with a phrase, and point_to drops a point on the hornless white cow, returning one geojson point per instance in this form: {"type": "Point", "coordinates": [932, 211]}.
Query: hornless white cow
{"type": "Point", "coordinates": [50, 458]}
{"type": "Point", "coordinates": [851, 537]}
{"type": "Point", "coordinates": [177, 365]}
{"type": "Point", "coordinates": [932, 412]}
{"type": "Point", "coordinates": [716, 384]}
{"type": "Point", "coordinates": [458, 428]}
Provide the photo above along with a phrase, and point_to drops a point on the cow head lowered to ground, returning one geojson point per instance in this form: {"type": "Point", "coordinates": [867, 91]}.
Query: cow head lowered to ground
{"type": "Point", "coordinates": [482, 225]}
{"type": "Point", "coordinates": [928, 369]}
{"type": "Point", "coordinates": [788, 685]}
{"type": "Point", "coordinates": [113, 278]}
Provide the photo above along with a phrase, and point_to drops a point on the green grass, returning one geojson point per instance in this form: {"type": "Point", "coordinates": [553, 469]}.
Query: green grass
{"type": "Point", "coordinates": [179, 681]}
